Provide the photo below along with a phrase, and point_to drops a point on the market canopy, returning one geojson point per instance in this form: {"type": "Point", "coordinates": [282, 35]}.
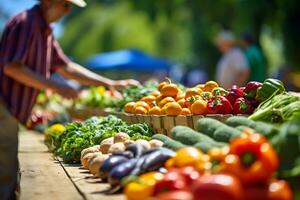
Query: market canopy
{"type": "Point", "coordinates": [129, 59]}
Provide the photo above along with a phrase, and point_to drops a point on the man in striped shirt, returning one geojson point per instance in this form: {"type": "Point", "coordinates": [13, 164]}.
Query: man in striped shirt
{"type": "Point", "coordinates": [28, 55]}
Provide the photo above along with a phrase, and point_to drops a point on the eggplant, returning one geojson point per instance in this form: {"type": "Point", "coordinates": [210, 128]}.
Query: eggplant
{"type": "Point", "coordinates": [109, 164]}
{"type": "Point", "coordinates": [120, 171]}
{"type": "Point", "coordinates": [127, 154]}
{"type": "Point", "coordinates": [152, 160]}
{"type": "Point", "coordinates": [156, 160]}
{"type": "Point", "coordinates": [136, 149]}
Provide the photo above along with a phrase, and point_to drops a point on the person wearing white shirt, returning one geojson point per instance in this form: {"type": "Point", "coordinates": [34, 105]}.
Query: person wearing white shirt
{"type": "Point", "coordinates": [232, 68]}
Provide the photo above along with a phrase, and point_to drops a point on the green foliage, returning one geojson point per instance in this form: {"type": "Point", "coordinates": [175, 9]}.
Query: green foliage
{"type": "Point", "coordinates": [180, 30]}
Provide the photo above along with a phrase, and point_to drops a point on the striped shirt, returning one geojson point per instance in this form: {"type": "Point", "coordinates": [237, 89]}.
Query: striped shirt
{"type": "Point", "coordinates": [27, 39]}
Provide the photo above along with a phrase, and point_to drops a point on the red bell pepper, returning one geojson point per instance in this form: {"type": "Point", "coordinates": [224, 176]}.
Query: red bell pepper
{"type": "Point", "coordinates": [219, 105]}
{"type": "Point", "coordinates": [251, 158]}
{"type": "Point", "coordinates": [251, 89]}
{"type": "Point", "coordinates": [242, 106]}
{"type": "Point", "coordinates": [173, 180]}
{"type": "Point", "coordinates": [176, 179]}
{"type": "Point", "coordinates": [234, 93]}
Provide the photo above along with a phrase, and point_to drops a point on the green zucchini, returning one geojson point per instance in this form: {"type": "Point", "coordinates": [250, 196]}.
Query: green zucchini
{"type": "Point", "coordinates": [206, 146]}
{"type": "Point", "coordinates": [188, 136]}
{"type": "Point", "coordinates": [208, 126]}
{"type": "Point", "coordinates": [169, 142]}
{"type": "Point", "coordinates": [226, 133]}
{"type": "Point", "coordinates": [239, 121]}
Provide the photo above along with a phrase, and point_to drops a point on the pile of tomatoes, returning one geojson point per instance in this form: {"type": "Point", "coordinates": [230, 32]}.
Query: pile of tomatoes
{"type": "Point", "coordinates": [169, 99]}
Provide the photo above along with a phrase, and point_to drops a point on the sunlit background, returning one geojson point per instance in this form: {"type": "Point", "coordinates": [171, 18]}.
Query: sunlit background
{"type": "Point", "coordinates": [181, 32]}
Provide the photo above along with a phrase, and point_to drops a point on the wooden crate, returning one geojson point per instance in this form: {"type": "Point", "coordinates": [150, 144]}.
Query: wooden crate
{"type": "Point", "coordinates": [164, 124]}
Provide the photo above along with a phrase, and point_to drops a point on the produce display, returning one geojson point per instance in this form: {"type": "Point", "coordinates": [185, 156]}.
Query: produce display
{"type": "Point", "coordinates": [243, 157]}
{"type": "Point", "coordinates": [208, 98]}
{"type": "Point", "coordinates": [80, 135]}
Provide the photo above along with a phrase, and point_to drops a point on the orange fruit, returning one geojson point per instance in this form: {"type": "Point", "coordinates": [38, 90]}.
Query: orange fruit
{"type": "Point", "coordinates": [189, 101]}
{"type": "Point", "coordinates": [170, 90]}
{"type": "Point", "coordinates": [155, 93]}
{"type": "Point", "coordinates": [199, 107]}
{"type": "Point", "coordinates": [173, 108]}
{"type": "Point", "coordinates": [155, 111]}
{"type": "Point", "coordinates": [142, 104]}
{"type": "Point", "coordinates": [161, 85]}
{"type": "Point", "coordinates": [163, 111]}
{"type": "Point", "coordinates": [210, 85]}
{"type": "Point", "coordinates": [181, 102]}
{"type": "Point", "coordinates": [185, 111]}
{"type": "Point", "coordinates": [140, 110]}
{"type": "Point", "coordinates": [165, 100]}
{"type": "Point", "coordinates": [180, 96]}
{"type": "Point", "coordinates": [192, 92]}
{"type": "Point", "coordinates": [159, 98]}
{"type": "Point", "coordinates": [148, 99]}
{"type": "Point", "coordinates": [200, 86]}
{"type": "Point", "coordinates": [128, 108]}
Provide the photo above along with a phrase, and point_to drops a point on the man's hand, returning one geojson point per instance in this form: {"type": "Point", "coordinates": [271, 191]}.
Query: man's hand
{"type": "Point", "coordinates": [124, 83]}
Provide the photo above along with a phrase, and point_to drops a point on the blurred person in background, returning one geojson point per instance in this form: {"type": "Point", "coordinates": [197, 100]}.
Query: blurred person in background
{"type": "Point", "coordinates": [232, 68]}
{"type": "Point", "coordinates": [29, 54]}
{"type": "Point", "coordinates": [254, 57]}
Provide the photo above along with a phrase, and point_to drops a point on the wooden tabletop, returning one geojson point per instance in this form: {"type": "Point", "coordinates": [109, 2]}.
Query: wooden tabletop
{"type": "Point", "coordinates": [44, 177]}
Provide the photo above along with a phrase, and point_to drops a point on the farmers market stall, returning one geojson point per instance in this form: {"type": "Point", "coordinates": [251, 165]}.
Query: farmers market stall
{"type": "Point", "coordinates": [165, 141]}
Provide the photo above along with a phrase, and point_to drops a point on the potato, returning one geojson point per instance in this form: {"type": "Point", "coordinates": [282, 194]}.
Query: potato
{"type": "Point", "coordinates": [144, 143]}
{"type": "Point", "coordinates": [121, 137]}
{"type": "Point", "coordinates": [96, 163]}
{"type": "Point", "coordinates": [86, 158]}
{"type": "Point", "coordinates": [128, 142]}
{"type": "Point", "coordinates": [156, 143]}
{"type": "Point", "coordinates": [88, 150]}
{"type": "Point", "coordinates": [117, 147]}
{"type": "Point", "coordinates": [105, 145]}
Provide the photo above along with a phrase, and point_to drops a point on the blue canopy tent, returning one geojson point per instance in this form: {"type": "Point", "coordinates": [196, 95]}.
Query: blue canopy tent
{"type": "Point", "coordinates": [129, 59]}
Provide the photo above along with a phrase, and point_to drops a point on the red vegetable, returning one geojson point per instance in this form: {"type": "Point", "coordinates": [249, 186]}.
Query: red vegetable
{"type": "Point", "coordinates": [217, 187]}
{"type": "Point", "coordinates": [251, 89]}
{"type": "Point", "coordinates": [234, 93]}
{"type": "Point", "coordinates": [242, 106]}
{"type": "Point", "coordinates": [175, 195]}
{"type": "Point", "coordinates": [173, 180]}
{"type": "Point", "coordinates": [219, 105]}
{"type": "Point", "coordinates": [251, 158]}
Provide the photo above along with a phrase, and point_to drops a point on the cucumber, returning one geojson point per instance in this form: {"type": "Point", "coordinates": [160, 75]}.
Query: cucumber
{"type": "Point", "coordinates": [168, 142]}
{"type": "Point", "coordinates": [188, 136]}
{"type": "Point", "coordinates": [208, 126]}
{"type": "Point", "coordinates": [260, 127]}
{"type": "Point", "coordinates": [242, 128]}
{"type": "Point", "coordinates": [265, 129]}
{"type": "Point", "coordinates": [226, 133]}
{"type": "Point", "coordinates": [239, 121]}
{"type": "Point", "coordinates": [206, 146]}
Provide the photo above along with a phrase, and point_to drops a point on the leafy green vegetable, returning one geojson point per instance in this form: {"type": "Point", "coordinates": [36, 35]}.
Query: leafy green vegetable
{"type": "Point", "coordinates": [79, 136]}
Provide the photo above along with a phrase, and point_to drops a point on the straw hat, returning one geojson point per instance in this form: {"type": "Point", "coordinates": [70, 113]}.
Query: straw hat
{"type": "Point", "coordinates": [80, 3]}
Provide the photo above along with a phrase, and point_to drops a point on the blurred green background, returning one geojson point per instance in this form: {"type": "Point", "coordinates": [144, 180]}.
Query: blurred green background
{"type": "Point", "coordinates": [183, 30]}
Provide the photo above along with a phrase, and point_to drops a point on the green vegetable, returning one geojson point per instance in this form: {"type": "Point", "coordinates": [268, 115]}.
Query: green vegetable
{"type": "Point", "coordinates": [242, 128]}
{"type": "Point", "coordinates": [280, 108]}
{"type": "Point", "coordinates": [208, 126]}
{"type": "Point", "coordinates": [269, 88]}
{"type": "Point", "coordinates": [188, 136]}
{"type": "Point", "coordinates": [287, 145]}
{"type": "Point", "coordinates": [206, 146]}
{"type": "Point", "coordinates": [265, 129]}
{"type": "Point", "coordinates": [79, 136]}
{"type": "Point", "coordinates": [235, 121]}
{"type": "Point", "coordinates": [168, 142]}
{"type": "Point", "coordinates": [226, 133]}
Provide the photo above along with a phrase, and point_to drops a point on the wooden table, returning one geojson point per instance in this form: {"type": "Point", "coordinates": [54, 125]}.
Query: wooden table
{"type": "Point", "coordinates": [46, 178]}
